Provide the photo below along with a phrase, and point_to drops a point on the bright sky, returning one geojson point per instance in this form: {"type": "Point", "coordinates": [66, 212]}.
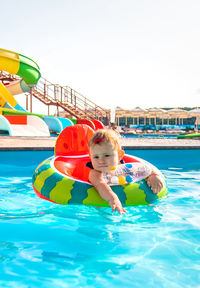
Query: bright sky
{"type": "Point", "coordinates": [123, 53]}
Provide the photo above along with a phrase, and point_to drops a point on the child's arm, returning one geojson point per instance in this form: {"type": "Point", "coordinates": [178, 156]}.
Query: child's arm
{"type": "Point", "coordinates": [105, 191]}
{"type": "Point", "coordinates": [155, 181]}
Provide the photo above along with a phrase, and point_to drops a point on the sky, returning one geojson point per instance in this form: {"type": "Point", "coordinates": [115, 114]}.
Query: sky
{"type": "Point", "coordinates": [124, 53]}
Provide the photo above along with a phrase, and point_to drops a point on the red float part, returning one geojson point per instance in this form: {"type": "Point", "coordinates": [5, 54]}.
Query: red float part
{"type": "Point", "coordinates": [16, 119]}
{"type": "Point", "coordinates": [87, 122]}
{"type": "Point", "coordinates": [73, 140]}
{"type": "Point", "coordinates": [98, 124]}
{"type": "Point", "coordinates": [75, 167]}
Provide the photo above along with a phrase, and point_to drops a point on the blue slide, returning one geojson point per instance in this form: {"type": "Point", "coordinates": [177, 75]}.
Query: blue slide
{"type": "Point", "coordinates": [57, 124]}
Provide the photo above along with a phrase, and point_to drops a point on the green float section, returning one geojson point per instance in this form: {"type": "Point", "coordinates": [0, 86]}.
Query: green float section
{"type": "Point", "coordinates": [17, 112]}
{"type": "Point", "coordinates": [73, 120]}
{"type": "Point", "coordinates": [29, 71]}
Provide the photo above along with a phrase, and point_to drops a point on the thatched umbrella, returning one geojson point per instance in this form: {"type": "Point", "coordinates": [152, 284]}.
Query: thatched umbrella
{"type": "Point", "coordinates": [156, 113]}
{"type": "Point", "coordinates": [119, 113]}
{"type": "Point", "coordinates": [139, 112]}
{"type": "Point", "coordinates": [177, 113]}
{"type": "Point", "coordinates": [195, 113]}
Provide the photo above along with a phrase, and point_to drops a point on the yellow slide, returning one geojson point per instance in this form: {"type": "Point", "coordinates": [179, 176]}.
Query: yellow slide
{"type": "Point", "coordinates": [29, 72]}
{"type": "Point", "coordinates": [16, 124]}
{"type": "Point", "coordinates": [16, 64]}
{"type": "Point", "coordinates": [6, 99]}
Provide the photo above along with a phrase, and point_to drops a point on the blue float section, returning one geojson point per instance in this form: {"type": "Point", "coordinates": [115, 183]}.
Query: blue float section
{"type": "Point", "coordinates": [24, 86]}
{"type": "Point", "coordinates": [57, 124]}
{"type": "Point", "coordinates": [53, 124]}
{"type": "Point", "coordinates": [16, 107]}
{"type": "Point", "coordinates": [5, 125]}
{"type": "Point", "coordinates": [19, 108]}
{"type": "Point", "coordinates": [8, 106]}
{"type": "Point", "coordinates": [65, 122]}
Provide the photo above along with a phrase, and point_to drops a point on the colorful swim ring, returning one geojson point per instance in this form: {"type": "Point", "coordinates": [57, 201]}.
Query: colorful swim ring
{"type": "Point", "coordinates": [63, 178]}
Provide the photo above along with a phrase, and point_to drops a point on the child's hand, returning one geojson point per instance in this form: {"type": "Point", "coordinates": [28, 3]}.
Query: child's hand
{"type": "Point", "coordinates": [116, 205]}
{"type": "Point", "coordinates": [155, 182]}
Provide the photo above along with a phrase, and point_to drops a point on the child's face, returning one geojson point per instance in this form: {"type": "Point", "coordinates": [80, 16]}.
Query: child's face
{"type": "Point", "coordinates": [104, 156]}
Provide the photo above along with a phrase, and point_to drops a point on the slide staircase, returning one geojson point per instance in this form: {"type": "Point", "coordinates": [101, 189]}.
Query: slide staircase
{"type": "Point", "coordinates": [21, 75]}
{"type": "Point", "coordinates": [74, 103]}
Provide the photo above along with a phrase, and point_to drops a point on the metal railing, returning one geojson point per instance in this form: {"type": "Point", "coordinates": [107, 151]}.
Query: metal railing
{"type": "Point", "coordinates": [70, 100]}
{"type": "Point", "coordinates": [65, 97]}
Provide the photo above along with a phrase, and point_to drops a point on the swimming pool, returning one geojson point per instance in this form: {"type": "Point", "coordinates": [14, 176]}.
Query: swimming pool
{"type": "Point", "coordinates": [48, 245]}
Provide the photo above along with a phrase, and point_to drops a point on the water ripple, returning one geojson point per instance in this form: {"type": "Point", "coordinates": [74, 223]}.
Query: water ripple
{"type": "Point", "coordinates": [79, 246]}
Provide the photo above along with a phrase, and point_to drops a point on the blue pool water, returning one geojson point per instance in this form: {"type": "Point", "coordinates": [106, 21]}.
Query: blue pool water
{"type": "Point", "coordinates": [47, 245]}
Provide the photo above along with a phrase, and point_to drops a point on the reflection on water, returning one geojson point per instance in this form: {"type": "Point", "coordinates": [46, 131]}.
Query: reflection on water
{"type": "Point", "coordinates": [49, 245]}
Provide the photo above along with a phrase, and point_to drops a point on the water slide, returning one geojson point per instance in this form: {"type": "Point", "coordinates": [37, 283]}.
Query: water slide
{"type": "Point", "coordinates": [94, 124]}
{"type": "Point", "coordinates": [23, 125]}
{"type": "Point", "coordinates": [28, 70]}
{"type": "Point", "coordinates": [17, 64]}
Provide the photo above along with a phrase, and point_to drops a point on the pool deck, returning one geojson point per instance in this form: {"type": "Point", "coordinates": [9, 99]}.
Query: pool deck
{"type": "Point", "coordinates": [10, 143]}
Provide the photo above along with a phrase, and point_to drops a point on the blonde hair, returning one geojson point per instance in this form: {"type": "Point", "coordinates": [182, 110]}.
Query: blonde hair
{"type": "Point", "coordinates": [105, 136]}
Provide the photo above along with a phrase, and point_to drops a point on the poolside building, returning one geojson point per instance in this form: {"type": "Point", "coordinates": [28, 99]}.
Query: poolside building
{"type": "Point", "coordinates": [157, 118]}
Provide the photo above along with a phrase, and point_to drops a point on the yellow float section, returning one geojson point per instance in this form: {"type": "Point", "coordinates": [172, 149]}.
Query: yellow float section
{"type": "Point", "coordinates": [9, 61]}
{"type": "Point", "coordinates": [6, 96]}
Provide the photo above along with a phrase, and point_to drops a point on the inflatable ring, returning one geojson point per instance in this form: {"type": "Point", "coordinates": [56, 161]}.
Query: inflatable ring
{"type": "Point", "coordinates": [63, 178]}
